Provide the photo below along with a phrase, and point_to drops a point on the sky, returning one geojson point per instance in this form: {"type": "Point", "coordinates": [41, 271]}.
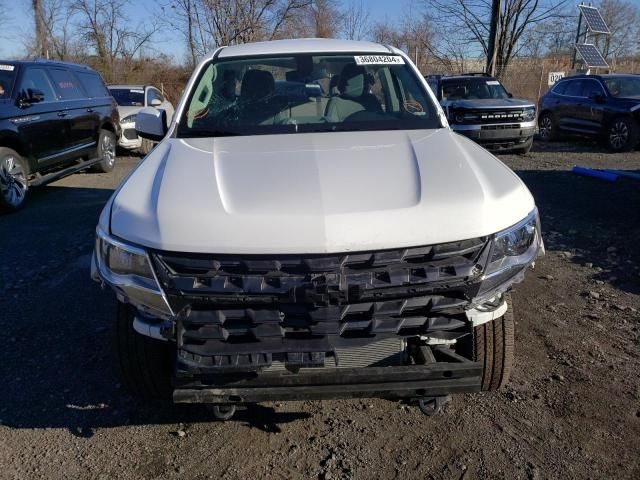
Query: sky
{"type": "Point", "coordinates": [21, 21]}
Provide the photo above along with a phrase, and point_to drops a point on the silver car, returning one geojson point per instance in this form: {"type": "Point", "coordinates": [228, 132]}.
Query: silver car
{"type": "Point", "coordinates": [131, 99]}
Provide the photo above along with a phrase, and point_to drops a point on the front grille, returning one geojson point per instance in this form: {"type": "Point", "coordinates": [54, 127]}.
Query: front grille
{"type": "Point", "coordinates": [247, 311]}
{"type": "Point", "coordinates": [495, 116]}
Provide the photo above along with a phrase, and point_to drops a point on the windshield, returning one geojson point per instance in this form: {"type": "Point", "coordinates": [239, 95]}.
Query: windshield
{"type": "Point", "coordinates": [623, 86]}
{"type": "Point", "coordinates": [306, 93]}
{"type": "Point", "coordinates": [7, 76]}
{"type": "Point", "coordinates": [473, 89]}
{"type": "Point", "coordinates": [128, 97]}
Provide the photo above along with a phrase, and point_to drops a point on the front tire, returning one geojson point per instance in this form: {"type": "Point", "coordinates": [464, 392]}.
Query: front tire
{"type": "Point", "coordinates": [106, 151]}
{"type": "Point", "coordinates": [14, 183]}
{"type": "Point", "coordinates": [145, 364]}
{"type": "Point", "coordinates": [547, 128]}
{"type": "Point", "coordinates": [493, 347]}
{"type": "Point", "coordinates": [622, 135]}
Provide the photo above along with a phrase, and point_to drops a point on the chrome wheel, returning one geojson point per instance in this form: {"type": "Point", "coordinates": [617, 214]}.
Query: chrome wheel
{"type": "Point", "coordinates": [108, 147]}
{"type": "Point", "coordinates": [619, 135]}
{"type": "Point", "coordinates": [545, 127]}
{"type": "Point", "coordinates": [13, 181]}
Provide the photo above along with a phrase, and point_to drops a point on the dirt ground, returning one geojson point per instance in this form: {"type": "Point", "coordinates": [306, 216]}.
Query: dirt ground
{"type": "Point", "coordinates": [572, 409]}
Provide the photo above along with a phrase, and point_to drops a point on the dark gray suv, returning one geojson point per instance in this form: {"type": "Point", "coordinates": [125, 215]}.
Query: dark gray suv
{"type": "Point", "coordinates": [479, 107]}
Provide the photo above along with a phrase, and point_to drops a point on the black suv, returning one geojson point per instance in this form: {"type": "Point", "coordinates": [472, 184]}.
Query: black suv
{"type": "Point", "coordinates": [479, 107]}
{"type": "Point", "coordinates": [602, 106]}
{"type": "Point", "coordinates": [55, 119]}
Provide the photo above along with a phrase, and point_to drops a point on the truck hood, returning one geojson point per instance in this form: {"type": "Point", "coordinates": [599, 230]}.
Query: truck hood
{"type": "Point", "coordinates": [316, 193]}
{"type": "Point", "coordinates": [489, 103]}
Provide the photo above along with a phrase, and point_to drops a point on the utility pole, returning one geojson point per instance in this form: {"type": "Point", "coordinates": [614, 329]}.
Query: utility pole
{"type": "Point", "coordinates": [496, 7]}
{"type": "Point", "coordinates": [578, 35]}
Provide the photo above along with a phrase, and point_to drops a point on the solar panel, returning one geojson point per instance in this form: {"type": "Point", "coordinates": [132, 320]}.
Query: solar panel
{"type": "Point", "coordinates": [595, 22]}
{"type": "Point", "coordinates": [591, 55]}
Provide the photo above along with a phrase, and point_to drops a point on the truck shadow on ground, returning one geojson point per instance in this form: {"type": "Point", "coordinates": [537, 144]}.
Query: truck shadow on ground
{"type": "Point", "coordinates": [593, 223]}
{"type": "Point", "coordinates": [56, 362]}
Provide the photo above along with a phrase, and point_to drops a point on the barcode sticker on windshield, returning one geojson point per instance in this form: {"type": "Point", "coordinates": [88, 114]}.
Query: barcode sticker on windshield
{"type": "Point", "coordinates": [379, 60]}
{"type": "Point", "coordinates": [7, 68]}
{"type": "Point", "coordinates": [493, 82]}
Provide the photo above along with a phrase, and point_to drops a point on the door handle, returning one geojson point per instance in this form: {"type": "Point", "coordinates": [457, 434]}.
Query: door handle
{"type": "Point", "coordinates": [62, 114]}
{"type": "Point", "coordinates": [90, 110]}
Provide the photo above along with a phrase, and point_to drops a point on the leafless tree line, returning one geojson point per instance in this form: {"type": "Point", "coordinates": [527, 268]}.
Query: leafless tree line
{"type": "Point", "coordinates": [448, 35]}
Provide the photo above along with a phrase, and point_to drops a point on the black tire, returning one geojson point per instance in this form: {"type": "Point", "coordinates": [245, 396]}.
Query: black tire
{"type": "Point", "coordinates": [106, 151]}
{"type": "Point", "coordinates": [146, 147]}
{"type": "Point", "coordinates": [145, 364]}
{"type": "Point", "coordinates": [622, 134]}
{"type": "Point", "coordinates": [525, 148]}
{"type": "Point", "coordinates": [548, 128]}
{"type": "Point", "coordinates": [14, 180]}
{"type": "Point", "coordinates": [493, 347]}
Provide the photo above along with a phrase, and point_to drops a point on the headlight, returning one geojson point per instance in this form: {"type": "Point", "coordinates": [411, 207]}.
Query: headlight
{"type": "Point", "coordinates": [129, 119]}
{"type": "Point", "coordinates": [529, 114]}
{"type": "Point", "coordinates": [122, 259]}
{"type": "Point", "coordinates": [512, 250]}
{"type": "Point", "coordinates": [509, 246]}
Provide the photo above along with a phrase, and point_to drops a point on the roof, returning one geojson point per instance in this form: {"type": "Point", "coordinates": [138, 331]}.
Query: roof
{"type": "Point", "coordinates": [304, 45]}
{"type": "Point", "coordinates": [130, 87]}
{"type": "Point", "coordinates": [44, 61]}
{"type": "Point", "coordinates": [603, 76]}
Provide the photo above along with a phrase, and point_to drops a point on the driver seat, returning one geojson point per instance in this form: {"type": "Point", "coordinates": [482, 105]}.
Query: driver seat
{"type": "Point", "coordinates": [354, 95]}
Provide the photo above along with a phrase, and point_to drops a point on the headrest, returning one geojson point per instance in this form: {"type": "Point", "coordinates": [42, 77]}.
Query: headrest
{"type": "Point", "coordinates": [333, 84]}
{"type": "Point", "coordinates": [352, 81]}
{"type": "Point", "coordinates": [257, 84]}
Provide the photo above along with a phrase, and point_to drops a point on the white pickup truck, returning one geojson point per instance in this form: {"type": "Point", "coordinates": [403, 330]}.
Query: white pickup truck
{"type": "Point", "coordinates": [309, 227]}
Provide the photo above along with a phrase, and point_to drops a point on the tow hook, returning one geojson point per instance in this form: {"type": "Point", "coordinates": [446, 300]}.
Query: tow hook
{"type": "Point", "coordinates": [432, 406]}
{"type": "Point", "coordinates": [223, 412]}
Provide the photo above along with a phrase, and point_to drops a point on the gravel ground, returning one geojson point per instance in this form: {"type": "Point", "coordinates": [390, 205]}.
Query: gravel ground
{"type": "Point", "coordinates": [572, 409]}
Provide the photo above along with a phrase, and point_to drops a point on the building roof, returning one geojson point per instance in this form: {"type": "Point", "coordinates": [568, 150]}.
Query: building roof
{"type": "Point", "coordinates": [304, 45]}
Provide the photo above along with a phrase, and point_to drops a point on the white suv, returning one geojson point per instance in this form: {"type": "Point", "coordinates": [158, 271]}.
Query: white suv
{"type": "Point", "coordinates": [310, 227]}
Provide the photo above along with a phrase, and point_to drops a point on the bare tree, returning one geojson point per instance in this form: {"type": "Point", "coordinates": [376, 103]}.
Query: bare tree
{"type": "Point", "coordinates": [466, 22]}
{"type": "Point", "coordinates": [324, 18]}
{"type": "Point", "coordinates": [103, 24]}
{"type": "Point", "coordinates": [356, 20]}
{"type": "Point", "coordinates": [41, 37]}
{"type": "Point", "coordinates": [207, 24]}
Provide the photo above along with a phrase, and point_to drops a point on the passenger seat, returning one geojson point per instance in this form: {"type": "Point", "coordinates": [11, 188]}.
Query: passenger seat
{"type": "Point", "coordinates": [354, 97]}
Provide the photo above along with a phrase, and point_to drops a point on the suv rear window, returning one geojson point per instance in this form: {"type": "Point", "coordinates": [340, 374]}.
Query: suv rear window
{"type": "Point", "coordinates": [66, 84]}
{"type": "Point", "coordinates": [93, 84]}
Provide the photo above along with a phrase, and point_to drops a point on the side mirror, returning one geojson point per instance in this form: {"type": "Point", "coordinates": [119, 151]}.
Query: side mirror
{"type": "Point", "coordinates": [597, 97]}
{"type": "Point", "coordinates": [151, 124]}
{"type": "Point", "coordinates": [510, 95]}
{"type": "Point", "coordinates": [155, 102]}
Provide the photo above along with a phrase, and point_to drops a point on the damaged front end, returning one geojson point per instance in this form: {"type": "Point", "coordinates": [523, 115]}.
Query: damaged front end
{"type": "Point", "coordinates": [251, 328]}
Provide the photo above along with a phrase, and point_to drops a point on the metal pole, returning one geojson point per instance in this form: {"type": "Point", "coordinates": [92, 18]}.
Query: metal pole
{"type": "Point", "coordinates": [496, 7]}
{"type": "Point", "coordinates": [575, 50]}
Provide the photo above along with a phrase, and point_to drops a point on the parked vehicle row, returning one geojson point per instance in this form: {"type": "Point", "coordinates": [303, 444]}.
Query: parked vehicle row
{"type": "Point", "coordinates": [60, 118]}
{"type": "Point", "coordinates": [55, 119]}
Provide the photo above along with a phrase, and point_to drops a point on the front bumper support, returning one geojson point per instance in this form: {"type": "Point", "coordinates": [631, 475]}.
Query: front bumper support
{"type": "Point", "coordinates": [433, 378]}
